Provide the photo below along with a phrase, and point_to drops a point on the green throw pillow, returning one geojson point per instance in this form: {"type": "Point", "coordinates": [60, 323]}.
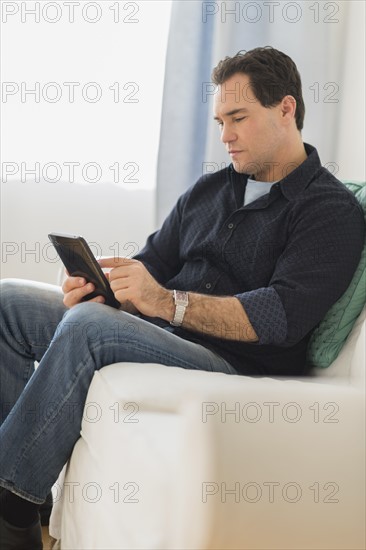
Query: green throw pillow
{"type": "Point", "coordinates": [330, 335]}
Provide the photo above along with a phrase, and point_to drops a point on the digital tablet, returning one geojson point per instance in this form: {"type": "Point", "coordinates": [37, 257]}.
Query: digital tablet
{"type": "Point", "coordinates": [80, 261]}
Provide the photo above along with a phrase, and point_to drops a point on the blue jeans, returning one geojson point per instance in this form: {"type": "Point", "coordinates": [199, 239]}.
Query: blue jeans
{"type": "Point", "coordinates": [42, 408]}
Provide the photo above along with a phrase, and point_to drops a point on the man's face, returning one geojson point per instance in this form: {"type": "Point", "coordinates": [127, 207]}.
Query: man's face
{"type": "Point", "coordinates": [254, 135]}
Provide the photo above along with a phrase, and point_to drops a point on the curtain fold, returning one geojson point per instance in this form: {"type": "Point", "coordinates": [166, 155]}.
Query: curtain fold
{"type": "Point", "coordinates": [184, 116]}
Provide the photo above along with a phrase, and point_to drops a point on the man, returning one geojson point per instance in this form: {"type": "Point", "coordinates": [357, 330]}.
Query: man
{"type": "Point", "coordinates": [243, 269]}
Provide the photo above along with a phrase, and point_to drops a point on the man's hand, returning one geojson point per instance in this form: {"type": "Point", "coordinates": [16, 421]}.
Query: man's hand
{"type": "Point", "coordinates": [131, 282]}
{"type": "Point", "coordinates": [75, 288]}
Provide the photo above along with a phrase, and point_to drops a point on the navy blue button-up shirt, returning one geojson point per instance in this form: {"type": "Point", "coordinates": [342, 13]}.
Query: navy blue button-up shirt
{"type": "Point", "coordinates": [287, 256]}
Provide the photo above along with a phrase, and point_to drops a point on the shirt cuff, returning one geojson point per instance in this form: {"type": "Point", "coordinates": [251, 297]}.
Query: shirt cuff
{"type": "Point", "coordinates": [266, 314]}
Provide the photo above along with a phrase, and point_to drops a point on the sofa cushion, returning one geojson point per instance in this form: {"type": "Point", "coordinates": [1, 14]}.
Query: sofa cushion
{"type": "Point", "coordinates": [330, 335]}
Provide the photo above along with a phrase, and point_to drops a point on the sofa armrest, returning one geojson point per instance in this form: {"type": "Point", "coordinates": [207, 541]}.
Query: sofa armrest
{"type": "Point", "coordinates": [217, 461]}
{"type": "Point", "coordinates": [291, 458]}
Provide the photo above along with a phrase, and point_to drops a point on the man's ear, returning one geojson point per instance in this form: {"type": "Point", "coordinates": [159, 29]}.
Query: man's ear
{"type": "Point", "coordinates": [288, 108]}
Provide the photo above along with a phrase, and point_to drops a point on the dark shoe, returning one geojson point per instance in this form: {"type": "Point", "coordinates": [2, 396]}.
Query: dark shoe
{"type": "Point", "coordinates": [20, 538]}
{"type": "Point", "coordinates": [45, 510]}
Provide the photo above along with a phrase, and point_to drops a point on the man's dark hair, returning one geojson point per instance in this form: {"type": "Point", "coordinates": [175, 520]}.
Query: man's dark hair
{"type": "Point", "coordinates": [272, 76]}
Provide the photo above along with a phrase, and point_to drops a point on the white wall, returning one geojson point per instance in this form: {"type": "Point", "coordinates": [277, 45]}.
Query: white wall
{"type": "Point", "coordinates": [114, 220]}
{"type": "Point", "coordinates": [107, 122]}
{"type": "Point", "coordinates": [351, 143]}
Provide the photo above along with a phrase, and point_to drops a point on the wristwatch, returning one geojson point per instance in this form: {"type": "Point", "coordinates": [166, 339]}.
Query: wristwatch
{"type": "Point", "coordinates": [181, 303]}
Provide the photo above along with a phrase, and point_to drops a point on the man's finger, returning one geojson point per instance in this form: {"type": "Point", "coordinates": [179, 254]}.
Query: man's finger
{"type": "Point", "coordinates": [115, 262]}
{"type": "Point", "coordinates": [98, 299]}
{"type": "Point", "coordinates": [75, 295]}
{"type": "Point", "coordinates": [72, 282]}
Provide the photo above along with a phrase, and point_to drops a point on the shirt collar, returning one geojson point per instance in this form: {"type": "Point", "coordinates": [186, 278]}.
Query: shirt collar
{"type": "Point", "coordinates": [298, 179]}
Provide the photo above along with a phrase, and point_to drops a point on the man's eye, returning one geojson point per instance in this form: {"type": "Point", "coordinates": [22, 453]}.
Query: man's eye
{"type": "Point", "coordinates": [219, 123]}
{"type": "Point", "coordinates": [239, 119]}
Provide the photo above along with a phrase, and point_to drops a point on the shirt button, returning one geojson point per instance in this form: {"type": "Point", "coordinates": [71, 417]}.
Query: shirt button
{"type": "Point", "coordinates": [230, 225]}
{"type": "Point", "coordinates": [208, 285]}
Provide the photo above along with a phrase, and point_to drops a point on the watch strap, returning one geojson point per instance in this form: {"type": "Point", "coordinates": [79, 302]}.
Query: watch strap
{"type": "Point", "coordinates": [181, 303]}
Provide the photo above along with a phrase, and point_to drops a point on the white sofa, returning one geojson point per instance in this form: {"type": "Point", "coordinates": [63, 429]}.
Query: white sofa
{"type": "Point", "coordinates": [176, 459]}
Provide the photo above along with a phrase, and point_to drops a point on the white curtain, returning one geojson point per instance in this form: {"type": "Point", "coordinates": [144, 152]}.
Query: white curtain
{"type": "Point", "coordinates": [326, 41]}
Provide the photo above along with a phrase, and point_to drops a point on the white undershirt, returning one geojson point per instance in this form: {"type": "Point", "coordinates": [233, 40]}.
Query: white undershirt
{"type": "Point", "coordinates": [256, 189]}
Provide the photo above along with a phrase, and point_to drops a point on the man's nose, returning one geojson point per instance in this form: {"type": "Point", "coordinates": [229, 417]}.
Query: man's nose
{"type": "Point", "coordinates": [227, 134]}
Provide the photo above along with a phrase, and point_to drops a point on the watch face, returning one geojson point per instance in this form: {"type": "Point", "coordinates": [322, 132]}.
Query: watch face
{"type": "Point", "coordinates": [181, 297]}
